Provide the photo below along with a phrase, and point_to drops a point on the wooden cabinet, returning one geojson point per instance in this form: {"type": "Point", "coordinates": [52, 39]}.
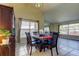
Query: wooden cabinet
{"type": "Point", "coordinates": [8, 50]}
{"type": "Point", "coordinates": [6, 22]}
{"type": "Point", "coordinates": [6, 15]}
{"type": "Point", "coordinates": [4, 50]}
{"type": "Point", "coordinates": [12, 46]}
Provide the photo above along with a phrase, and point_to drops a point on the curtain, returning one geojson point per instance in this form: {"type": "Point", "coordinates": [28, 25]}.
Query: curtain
{"type": "Point", "coordinates": [19, 22]}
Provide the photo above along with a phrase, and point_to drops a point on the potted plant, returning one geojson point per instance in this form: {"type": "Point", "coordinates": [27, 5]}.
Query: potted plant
{"type": "Point", "coordinates": [4, 34]}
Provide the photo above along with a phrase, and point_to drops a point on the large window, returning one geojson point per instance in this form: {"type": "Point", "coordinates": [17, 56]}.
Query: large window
{"type": "Point", "coordinates": [74, 29]}
{"type": "Point", "coordinates": [70, 29]}
{"type": "Point", "coordinates": [46, 29]}
{"type": "Point", "coordinates": [25, 25]}
{"type": "Point", "coordinates": [63, 29]}
{"type": "Point", "coordinates": [28, 26]}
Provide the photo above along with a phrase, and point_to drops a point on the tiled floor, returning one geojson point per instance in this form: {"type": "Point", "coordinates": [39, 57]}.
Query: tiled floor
{"type": "Point", "coordinates": [21, 51]}
{"type": "Point", "coordinates": [64, 48]}
{"type": "Point", "coordinates": [70, 47]}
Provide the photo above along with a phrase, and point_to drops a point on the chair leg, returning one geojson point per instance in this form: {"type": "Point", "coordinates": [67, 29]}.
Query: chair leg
{"type": "Point", "coordinates": [31, 51]}
{"type": "Point", "coordinates": [51, 51]}
{"type": "Point", "coordinates": [44, 49]}
{"type": "Point", "coordinates": [57, 50]}
{"type": "Point", "coordinates": [40, 48]}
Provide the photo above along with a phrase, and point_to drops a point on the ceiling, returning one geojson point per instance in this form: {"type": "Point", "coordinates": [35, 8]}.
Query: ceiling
{"type": "Point", "coordinates": [43, 6]}
{"type": "Point", "coordinates": [46, 6]}
{"type": "Point", "coordinates": [65, 12]}
{"type": "Point", "coordinates": [58, 12]}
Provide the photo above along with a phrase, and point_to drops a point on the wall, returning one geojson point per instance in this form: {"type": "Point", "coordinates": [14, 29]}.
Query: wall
{"type": "Point", "coordinates": [54, 27]}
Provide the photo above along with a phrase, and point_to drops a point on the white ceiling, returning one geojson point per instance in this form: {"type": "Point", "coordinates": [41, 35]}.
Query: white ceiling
{"type": "Point", "coordinates": [43, 6]}
{"type": "Point", "coordinates": [63, 13]}
{"type": "Point", "coordinates": [47, 6]}
{"type": "Point", "coordinates": [59, 12]}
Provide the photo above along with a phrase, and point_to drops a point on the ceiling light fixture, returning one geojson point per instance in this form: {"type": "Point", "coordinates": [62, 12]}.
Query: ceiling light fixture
{"type": "Point", "coordinates": [37, 5]}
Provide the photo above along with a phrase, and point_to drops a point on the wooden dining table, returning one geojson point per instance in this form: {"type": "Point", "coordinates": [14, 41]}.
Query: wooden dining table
{"type": "Point", "coordinates": [46, 37]}
{"type": "Point", "coordinates": [42, 38]}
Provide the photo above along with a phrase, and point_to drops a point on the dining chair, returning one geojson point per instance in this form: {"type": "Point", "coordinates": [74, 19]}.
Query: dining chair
{"type": "Point", "coordinates": [30, 43]}
{"type": "Point", "coordinates": [36, 39]}
{"type": "Point", "coordinates": [52, 43]}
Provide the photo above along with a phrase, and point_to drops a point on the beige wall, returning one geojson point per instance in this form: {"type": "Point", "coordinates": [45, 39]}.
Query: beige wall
{"type": "Point", "coordinates": [54, 27]}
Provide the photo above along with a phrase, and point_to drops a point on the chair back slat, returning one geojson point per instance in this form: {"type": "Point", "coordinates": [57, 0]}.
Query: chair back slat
{"type": "Point", "coordinates": [54, 37]}
{"type": "Point", "coordinates": [28, 38]}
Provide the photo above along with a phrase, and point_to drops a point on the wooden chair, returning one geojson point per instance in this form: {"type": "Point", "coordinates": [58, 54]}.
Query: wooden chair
{"type": "Point", "coordinates": [52, 43]}
{"type": "Point", "coordinates": [30, 43]}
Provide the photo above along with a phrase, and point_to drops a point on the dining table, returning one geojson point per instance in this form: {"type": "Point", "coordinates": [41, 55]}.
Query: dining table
{"type": "Point", "coordinates": [42, 38]}
{"type": "Point", "coordinates": [46, 37]}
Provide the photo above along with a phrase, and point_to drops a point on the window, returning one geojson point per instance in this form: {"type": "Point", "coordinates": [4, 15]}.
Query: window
{"type": "Point", "coordinates": [74, 29]}
{"type": "Point", "coordinates": [28, 26]}
{"type": "Point", "coordinates": [32, 25]}
{"type": "Point", "coordinates": [46, 29]}
{"type": "Point", "coordinates": [70, 29]}
{"type": "Point", "coordinates": [64, 29]}
{"type": "Point", "coordinates": [25, 25]}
